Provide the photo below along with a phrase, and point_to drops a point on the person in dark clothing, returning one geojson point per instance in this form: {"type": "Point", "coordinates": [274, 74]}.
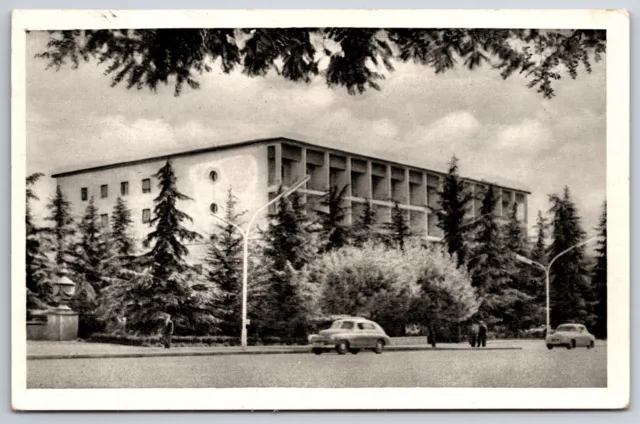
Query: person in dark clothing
{"type": "Point", "coordinates": [431, 335]}
{"type": "Point", "coordinates": [482, 335]}
{"type": "Point", "coordinates": [473, 336]}
{"type": "Point", "coordinates": [167, 332]}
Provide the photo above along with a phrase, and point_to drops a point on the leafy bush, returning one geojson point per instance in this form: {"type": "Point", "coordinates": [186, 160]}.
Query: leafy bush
{"type": "Point", "coordinates": [138, 340]}
{"type": "Point", "coordinates": [395, 288]}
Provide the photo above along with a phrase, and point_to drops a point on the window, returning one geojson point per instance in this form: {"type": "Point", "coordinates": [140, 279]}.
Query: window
{"type": "Point", "coordinates": [104, 191]}
{"type": "Point", "coordinates": [365, 326]}
{"type": "Point", "coordinates": [213, 175]}
{"type": "Point", "coordinates": [146, 185]}
{"type": "Point", "coordinates": [84, 194]}
{"type": "Point", "coordinates": [104, 219]}
{"type": "Point", "coordinates": [146, 216]}
{"type": "Point", "coordinates": [213, 208]}
{"type": "Point", "coordinates": [124, 188]}
{"type": "Point", "coordinates": [347, 325]}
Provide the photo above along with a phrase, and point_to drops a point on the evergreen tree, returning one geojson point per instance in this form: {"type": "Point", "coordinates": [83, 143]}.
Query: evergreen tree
{"type": "Point", "coordinates": [539, 251]}
{"type": "Point", "coordinates": [599, 277]}
{"type": "Point", "coordinates": [168, 285]}
{"type": "Point", "coordinates": [364, 226]}
{"type": "Point", "coordinates": [493, 270]}
{"type": "Point", "coordinates": [123, 243]}
{"type": "Point", "coordinates": [489, 258]}
{"type": "Point", "coordinates": [168, 252]}
{"type": "Point", "coordinates": [571, 294]}
{"type": "Point", "coordinates": [539, 254]}
{"type": "Point", "coordinates": [398, 230]}
{"type": "Point", "coordinates": [288, 247]}
{"type": "Point", "coordinates": [334, 233]}
{"type": "Point", "coordinates": [92, 265]}
{"type": "Point", "coordinates": [224, 260]}
{"type": "Point", "coordinates": [452, 208]}
{"type": "Point", "coordinates": [37, 269]}
{"type": "Point", "coordinates": [62, 230]}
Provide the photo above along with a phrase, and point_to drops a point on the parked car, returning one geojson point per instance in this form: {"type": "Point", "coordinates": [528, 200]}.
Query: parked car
{"type": "Point", "coordinates": [570, 336]}
{"type": "Point", "coordinates": [350, 335]}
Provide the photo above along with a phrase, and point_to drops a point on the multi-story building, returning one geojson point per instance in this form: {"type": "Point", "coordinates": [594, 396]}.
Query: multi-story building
{"type": "Point", "coordinates": [255, 169]}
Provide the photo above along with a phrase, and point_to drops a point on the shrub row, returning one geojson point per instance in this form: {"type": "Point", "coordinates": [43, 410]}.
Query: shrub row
{"type": "Point", "coordinates": [135, 340]}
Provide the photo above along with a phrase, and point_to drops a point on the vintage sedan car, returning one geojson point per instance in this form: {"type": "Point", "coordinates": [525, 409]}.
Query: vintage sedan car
{"type": "Point", "coordinates": [350, 335]}
{"type": "Point", "coordinates": [570, 336]}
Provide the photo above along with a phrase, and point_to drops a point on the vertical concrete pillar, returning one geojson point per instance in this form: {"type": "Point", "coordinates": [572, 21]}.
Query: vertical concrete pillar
{"type": "Point", "coordinates": [278, 173]}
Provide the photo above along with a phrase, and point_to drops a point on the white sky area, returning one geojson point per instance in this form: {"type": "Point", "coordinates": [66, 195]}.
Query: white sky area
{"type": "Point", "coordinates": [496, 128]}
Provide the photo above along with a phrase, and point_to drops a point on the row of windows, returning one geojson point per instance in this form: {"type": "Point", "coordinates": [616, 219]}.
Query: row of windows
{"type": "Point", "coordinates": [124, 189]}
{"type": "Point", "coordinates": [146, 215]}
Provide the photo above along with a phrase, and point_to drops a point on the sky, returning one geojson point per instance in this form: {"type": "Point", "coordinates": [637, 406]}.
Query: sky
{"type": "Point", "coordinates": [497, 128]}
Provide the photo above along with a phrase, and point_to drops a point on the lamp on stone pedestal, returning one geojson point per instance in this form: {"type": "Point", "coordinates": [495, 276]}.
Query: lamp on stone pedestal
{"type": "Point", "coordinates": [62, 322]}
{"type": "Point", "coordinates": [63, 289]}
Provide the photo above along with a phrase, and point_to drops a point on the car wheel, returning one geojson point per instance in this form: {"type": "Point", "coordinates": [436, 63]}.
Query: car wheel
{"type": "Point", "coordinates": [354, 351]}
{"type": "Point", "coordinates": [571, 345]}
{"type": "Point", "coordinates": [549, 346]}
{"type": "Point", "coordinates": [379, 346]}
{"type": "Point", "coordinates": [591, 345]}
{"type": "Point", "coordinates": [342, 347]}
{"type": "Point", "coordinates": [317, 351]}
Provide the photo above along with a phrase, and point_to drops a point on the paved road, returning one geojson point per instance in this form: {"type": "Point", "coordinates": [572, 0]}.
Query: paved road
{"type": "Point", "coordinates": [533, 366]}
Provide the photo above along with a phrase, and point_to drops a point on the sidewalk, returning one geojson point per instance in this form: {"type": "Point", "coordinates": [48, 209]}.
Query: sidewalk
{"type": "Point", "coordinates": [39, 350]}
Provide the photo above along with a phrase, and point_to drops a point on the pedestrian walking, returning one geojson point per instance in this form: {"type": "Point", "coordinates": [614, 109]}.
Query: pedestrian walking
{"type": "Point", "coordinates": [167, 332]}
{"type": "Point", "coordinates": [473, 337]}
{"type": "Point", "coordinates": [482, 334]}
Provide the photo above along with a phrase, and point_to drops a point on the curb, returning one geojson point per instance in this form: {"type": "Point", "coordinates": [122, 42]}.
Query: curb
{"type": "Point", "coordinates": [291, 350]}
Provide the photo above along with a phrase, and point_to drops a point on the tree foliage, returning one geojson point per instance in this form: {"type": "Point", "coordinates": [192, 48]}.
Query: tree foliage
{"type": "Point", "coordinates": [93, 264]}
{"type": "Point", "coordinates": [123, 243]}
{"type": "Point", "coordinates": [357, 59]}
{"type": "Point", "coordinates": [334, 232]}
{"type": "Point", "coordinates": [363, 229]}
{"type": "Point", "coordinates": [168, 252]}
{"type": "Point", "coordinates": [397, 231]}
{"type": "Point", "coordinates": [571, 293]}
{"type": "Point", "coordinates": [599, 277]}
{"type": "Point", "coordinates": [288, 246]}
{"type": "Point", "coordinates": [224, 263]}
{"type": "Point", "coordinates": [62, 230]}
{"type": "Point", "coordinates": [37, 267]}
{"type": "Point", "coordinates": [392, 287]}
{"type": "Point", "coordinates": [453, 203]}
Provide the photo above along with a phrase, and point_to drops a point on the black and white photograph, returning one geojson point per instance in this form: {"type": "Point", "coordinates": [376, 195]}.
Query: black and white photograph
{"type": "Point", "coordinates": [320, 202]}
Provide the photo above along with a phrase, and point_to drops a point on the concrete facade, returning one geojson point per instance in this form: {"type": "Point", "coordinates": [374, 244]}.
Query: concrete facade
{"type": "Point", "coordinates": [255, 169]}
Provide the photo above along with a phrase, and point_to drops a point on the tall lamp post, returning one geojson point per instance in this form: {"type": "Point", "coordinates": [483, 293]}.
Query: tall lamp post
{"type": "Point", "coordinates": [245, 254]}
{"type": "Point", "coordinates": [547, 270]}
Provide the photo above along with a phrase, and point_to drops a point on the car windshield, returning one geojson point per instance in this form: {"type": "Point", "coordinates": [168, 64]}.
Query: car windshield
{"type": "Point", "coordinates": [566, 328]}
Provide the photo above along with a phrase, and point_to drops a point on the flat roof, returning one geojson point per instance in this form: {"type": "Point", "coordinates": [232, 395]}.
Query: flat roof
{"type": "Point", "coordinates": [434, 168]}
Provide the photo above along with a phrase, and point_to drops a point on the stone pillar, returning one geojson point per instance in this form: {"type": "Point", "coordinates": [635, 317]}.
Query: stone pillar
{"type": "Point", "coordinates": [62, 322]}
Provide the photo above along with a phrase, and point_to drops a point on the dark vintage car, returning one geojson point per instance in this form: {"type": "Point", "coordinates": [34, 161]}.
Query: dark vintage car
{"type": "Point", "coordinates": [350, 335]}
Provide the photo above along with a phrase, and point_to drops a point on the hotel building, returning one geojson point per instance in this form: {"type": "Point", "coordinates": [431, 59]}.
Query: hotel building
{"type": "Point", "coordinates": [255, 169]}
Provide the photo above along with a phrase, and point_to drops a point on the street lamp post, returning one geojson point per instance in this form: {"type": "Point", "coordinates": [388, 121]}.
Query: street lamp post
{"type": "Point", "coordinates": [547, 270]}
{"type": "Point", "coordinates": [245, 252]}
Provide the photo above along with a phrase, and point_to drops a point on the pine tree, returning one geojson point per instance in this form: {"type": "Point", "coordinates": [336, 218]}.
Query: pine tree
{"type": "Point", "coordinates": [599, 277]}
{"type": "Point", "coordinates": [334, 233]}
{"type": "Point", "coordinates": [364, 227]}
{"type": "Point", "coordinates": [526, 311]}
{"type": "Point", "coordinates": [288, 247]}
{"type": "Point", "coordinates": [571, 294]}
{"type": "Point", "coordinates": [62, 230]}
{"type": "Point", "coordinates": [452, 208]}
{"type": "Point", "coordinates": [37, 267]}
{"type": "Point", "coordinates": [489, 256]}
{"type": "Point", "coordinates": [224, 261]}
{"type": "Point", "coordinates": [123, 243]}
{"type": "Point", "coordinates": [398, 230]}
{"type": "Point", "coordinates": [539, 254]}
{"type": "Point", "coordinates": [92, 263]}
{"type": "Point", "coordinates": [168, 253]}
{"type": "Point", "coordinates": [168, 284]}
